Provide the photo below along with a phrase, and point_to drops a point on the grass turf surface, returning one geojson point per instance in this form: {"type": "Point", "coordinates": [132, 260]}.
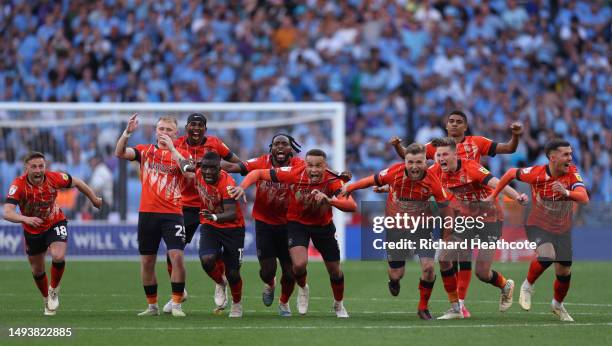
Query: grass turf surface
{"type": "Point", "coordinates": [100, 300]}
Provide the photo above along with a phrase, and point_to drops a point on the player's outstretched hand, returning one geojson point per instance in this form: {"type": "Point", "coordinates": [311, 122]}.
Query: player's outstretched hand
{"type": "Point", "coordinates": [132, 123]}
{"type": "Point", "coordinates": [523, 199]}
{"type": "Point", "coordinates": [97, 202]}
{"type": "Point", "coordinates": [381, 189]}
{"type": "Point", "coordinates": [517, 128]}
{"type": "Point", "coordinates": [33, 221]}
{"type": "Point", "coordinates": [236, 192]}
{"type": "Point", "coordinates": [395, 141]}
{"type": "Point", "coordinates": [320, 197]}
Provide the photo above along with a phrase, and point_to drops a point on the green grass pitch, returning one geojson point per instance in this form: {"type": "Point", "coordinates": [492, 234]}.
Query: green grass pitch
{"type": "Point", "coordinates": [100, 300]}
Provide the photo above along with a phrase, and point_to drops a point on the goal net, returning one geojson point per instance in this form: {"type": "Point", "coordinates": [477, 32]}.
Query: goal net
{"type": "Point", "coordinates": [80, 138]}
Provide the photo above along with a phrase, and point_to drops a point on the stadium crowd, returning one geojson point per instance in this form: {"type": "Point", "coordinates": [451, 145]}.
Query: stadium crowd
{"type": "Point", "coordinates": [544, 63]}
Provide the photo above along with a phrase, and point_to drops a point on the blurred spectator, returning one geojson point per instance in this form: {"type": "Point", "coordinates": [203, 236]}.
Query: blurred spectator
{"type": "Point", "coordinates": [546, 64]}
{"type": "Point", "coordinates": [101, 181]}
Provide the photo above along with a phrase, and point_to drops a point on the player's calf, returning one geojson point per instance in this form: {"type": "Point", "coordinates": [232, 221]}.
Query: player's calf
{"type": "Point", "coordinates": [396, 272]}
{"type": "Point", "coordinates": [235, 284]}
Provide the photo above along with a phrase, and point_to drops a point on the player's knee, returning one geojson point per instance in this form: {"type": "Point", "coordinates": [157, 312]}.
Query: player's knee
{"type": "Point", "coordinates": [266, 274]}
{"type": "Point", "coordinates": [396, 275]}
{"type": "Point", "coordinates": [148, 261]}
{"type": "Point", "coordinates": [299, 267]}
{"type": "Point", "coordinates": [546, 250]}
{"type": "Point", "coordinates": [287, 272]}
{"type": "Point", "coordinates": [483, 275]}
{"type": "Point", "coordinates": [233, 276]}
{"type": "Point", "coordinates": [60, 257]}
{"type": "Point", "coordinates": [208, 263]}
{"type": "Point", "coordinates": [428, 271]}
{"type": "Point", "coordinates": [176, 257]}
{"type": "Point", "coordinates": [445, 266]}
{"type": "Point", "coordinates": [336, 275]}
{"type": "Point", "coordinates": [563, 268]}
{"type": "Point", "coordinates": [38, 271]}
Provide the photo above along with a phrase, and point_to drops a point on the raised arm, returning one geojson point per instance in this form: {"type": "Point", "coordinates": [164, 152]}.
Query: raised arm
{"type": "Point", "coordinates": [396, 142]}
{"type": "Point", "coordinates": [121, 150]}
{"type": "Point", "coordinates": [510, 146]}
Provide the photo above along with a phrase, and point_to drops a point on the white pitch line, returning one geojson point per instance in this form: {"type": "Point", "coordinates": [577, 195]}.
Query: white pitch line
{"type": "Point", "coordinates": [513, 325]}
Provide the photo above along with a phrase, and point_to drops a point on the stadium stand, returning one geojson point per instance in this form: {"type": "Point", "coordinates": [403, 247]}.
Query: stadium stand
{"type": "Point", "coordinates": [545, 63]}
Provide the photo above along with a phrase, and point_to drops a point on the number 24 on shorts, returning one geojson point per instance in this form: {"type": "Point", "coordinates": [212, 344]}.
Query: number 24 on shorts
{"type": "Point", "coordinates": [180, 231]}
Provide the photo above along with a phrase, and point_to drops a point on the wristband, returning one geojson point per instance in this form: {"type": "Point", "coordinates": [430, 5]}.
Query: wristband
{"type": "Point", "coordinates": [214, 217]}
{"type": "Point", "coordinates": [567, 193]}
{"type": "Point", "coordinates": [126, 134]}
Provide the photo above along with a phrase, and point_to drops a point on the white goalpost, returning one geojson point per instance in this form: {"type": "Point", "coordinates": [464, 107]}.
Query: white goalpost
{"type": "Point", "coordinates": [326, 119]}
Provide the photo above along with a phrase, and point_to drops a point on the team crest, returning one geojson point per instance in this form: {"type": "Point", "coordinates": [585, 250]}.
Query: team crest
{"type": "Point", "coordinates": [483, 170]}
{"type": "Point", "coordinates": [65, 176]}
{"type": "Point", "coordinates": [526, 170]}
{"type": "Point", "coordinates": [578, 177]}
{"type": "Point", "coordinates": [12, 190]}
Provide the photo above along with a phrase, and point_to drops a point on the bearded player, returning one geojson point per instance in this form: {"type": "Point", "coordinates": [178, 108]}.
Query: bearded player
{"type": "Point", "coordinates": [313, 193]}
{"type": "Point", "coordinates": [471, 185]}
{"type": "Point", "coordinates": [555, 187]}
{"type": "Point", "coordinates": [411, 185]}
{"type": "Point", "coordinates": [270, 214]}
{"type": "Point", "coordinates": [44, 224]}
{"type": "Point", "coordinates": [196, 143]}
{"type": "Point", "coordinates": [160, 213]}
{"type": "Point", "coordinates": [468, 148]}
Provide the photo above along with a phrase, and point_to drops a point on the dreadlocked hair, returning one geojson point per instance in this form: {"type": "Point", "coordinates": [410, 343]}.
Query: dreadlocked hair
{"type": "Point", "coordinates": [294, 144]}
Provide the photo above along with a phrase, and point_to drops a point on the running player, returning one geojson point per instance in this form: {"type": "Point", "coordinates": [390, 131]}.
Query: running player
{"type": "Point", "coordinates": [160, 213]}
{"type": "Point", "coordinates": [270, 214]}
{"type": "Point", "coordinates": [222, 231]}
{"type": "Point", "coordinates": [197, 144]}
{"type": "Point", "coordinates": [44, 224]}
{"type": "Point", "coordinates": [411, 185]}
{"type": "Point", "coordinates": [468, 148]}
{"type": "Point", "coordinates": [313, 193]}
{"type": "Point", "coordinates": [554, 189]}
{"type": "Point", "coordinates": [472, 184]}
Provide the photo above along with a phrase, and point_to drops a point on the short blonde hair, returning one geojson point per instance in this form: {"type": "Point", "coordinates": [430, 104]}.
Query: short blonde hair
{"type": "Point", "coordinates": [168, 118]}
